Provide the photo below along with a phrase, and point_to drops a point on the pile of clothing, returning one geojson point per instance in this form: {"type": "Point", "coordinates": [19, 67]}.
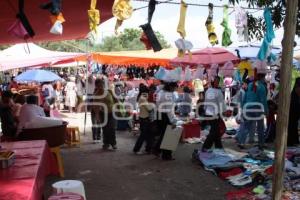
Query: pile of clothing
{"type": "Point", "coordinates": [251, 172]}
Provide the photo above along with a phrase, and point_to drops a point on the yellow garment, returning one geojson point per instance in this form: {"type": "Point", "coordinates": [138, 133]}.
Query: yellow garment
{"type": "Point", "coordinates": [181, 24]}
{"type": "Point", "coordinates": [246, 65]}
{"type": "Point", "coordinates": [122, 10]}
{"type": "Point", "coordinates": [94, 16]}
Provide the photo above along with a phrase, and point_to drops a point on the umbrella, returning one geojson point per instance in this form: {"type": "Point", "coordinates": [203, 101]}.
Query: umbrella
{"type": "Point", "coordinates": [205, 57]}
{"type": "Point", "coordinates": [37, 75]}
{"type": "Point", "coordinates": [251, 51]}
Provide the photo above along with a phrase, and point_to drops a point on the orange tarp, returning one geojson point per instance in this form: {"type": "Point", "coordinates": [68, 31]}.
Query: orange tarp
{"type": "Point", "coordinates": [143, 58]}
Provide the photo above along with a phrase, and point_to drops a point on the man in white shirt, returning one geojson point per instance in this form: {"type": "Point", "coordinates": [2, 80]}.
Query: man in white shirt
{"type": "Point", "coordinates": [29, 112]}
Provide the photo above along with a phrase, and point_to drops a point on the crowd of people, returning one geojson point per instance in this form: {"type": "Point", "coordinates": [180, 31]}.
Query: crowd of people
{"type": "Point", "coordinates": [251, 102]}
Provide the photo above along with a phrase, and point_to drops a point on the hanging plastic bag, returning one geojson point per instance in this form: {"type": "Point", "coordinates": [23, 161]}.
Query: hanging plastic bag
{"type": "Point", "coordinates": [57, 28]}
{"type": "Point", "coordinates": [183, 46]}
{"type": "Point", "coordinates": [227, 69]}
{"type": "Point", "coordinates": [17, 29]}
{"type": "Point", "coordinates": [160, 74]}
{"type": "Point", "coordinates": [187, 75]}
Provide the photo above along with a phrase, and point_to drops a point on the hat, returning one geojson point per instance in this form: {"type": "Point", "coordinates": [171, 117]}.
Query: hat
{"type": "Point", "coordinates": [147, 28]}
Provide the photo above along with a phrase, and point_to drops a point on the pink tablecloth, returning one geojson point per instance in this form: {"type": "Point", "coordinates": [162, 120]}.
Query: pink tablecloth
{"type": "Point", "coordinates": [26, 178]}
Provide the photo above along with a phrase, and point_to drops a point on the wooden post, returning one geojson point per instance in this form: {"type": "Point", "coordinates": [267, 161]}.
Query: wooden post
{"type": "Point", "coordinates": [284, 97]}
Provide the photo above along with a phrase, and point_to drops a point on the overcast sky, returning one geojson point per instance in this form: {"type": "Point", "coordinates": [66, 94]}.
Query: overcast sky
{"type": "Point", "coordinates": [166, 17]}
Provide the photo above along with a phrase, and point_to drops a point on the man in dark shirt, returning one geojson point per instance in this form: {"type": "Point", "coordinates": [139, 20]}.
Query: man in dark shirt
{"type": "Point", "coordinates": [8, 123]}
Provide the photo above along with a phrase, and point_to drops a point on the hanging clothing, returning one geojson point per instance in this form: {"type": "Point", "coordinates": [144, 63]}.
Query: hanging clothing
{"type": "Point", "coordinates": [265, 49]}
{"type": "Point", "coordinates": [181, 24]}
{"type": "Point", "coordinates": [212, 36]}
{"type": "Point", "coordinates": [241, 24]}
{"type": "Point", "coordinates": [151, 9]}
{"type": "Point", "coordinates": [94, 16]}
{"type": "Point", "coordinates": [226, 41]}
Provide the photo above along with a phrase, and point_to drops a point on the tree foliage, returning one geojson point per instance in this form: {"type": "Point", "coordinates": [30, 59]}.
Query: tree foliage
{"type": "Point", "coordinates": [129, 39]}
{"type": "Point", "coordinates": [257, 24]}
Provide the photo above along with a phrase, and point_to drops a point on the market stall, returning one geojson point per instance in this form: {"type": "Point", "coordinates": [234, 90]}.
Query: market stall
{"type": "Point", "coordinates": [29, 55]}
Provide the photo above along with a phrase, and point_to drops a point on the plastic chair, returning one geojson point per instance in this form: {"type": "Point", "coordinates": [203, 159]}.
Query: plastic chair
{"type": "Point", "coordinates": [73, 136]}
{"type": "Point", "coordinates": [56, 152]}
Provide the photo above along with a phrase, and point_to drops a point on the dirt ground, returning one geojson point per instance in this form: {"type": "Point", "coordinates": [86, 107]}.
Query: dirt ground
{"type": "Point", "coordinates": [120, 174]}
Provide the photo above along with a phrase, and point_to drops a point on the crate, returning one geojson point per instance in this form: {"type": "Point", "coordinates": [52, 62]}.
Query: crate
{"type": "Point", "coordinates": [7, 158]}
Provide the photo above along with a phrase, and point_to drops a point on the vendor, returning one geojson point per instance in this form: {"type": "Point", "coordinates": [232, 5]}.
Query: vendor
{"type": "Point", "coordinates": [30, 111]}
{"type": "Point", "coordinates": [166, 116]}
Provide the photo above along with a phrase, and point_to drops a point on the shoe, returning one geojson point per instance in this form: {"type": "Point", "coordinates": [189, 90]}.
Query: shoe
{"type": "Point", "coordinates": [241, 146]}
{"type": "Point", "coordinates": [95, 141]}
{"type": "Point", "coordinates": [98, 141]}
{"type": "Point", "coordinates": [105, 147]}
{"type": "Point", "coordinates": [114, 147]}
{"type": "Point", "coordinates": [168, 159]}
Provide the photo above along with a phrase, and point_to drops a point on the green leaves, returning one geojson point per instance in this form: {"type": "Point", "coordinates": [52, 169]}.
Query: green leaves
{"type": "Point", "coordinates": [256, 24]}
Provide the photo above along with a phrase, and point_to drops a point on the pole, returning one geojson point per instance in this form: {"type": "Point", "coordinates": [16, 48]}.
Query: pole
{"type": "Point", "coordinates": [86, 86]}
{"type": "Point", "coordinates": [284, 96]}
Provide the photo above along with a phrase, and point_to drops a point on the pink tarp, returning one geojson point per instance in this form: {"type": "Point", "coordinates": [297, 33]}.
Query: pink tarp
{"type": "Point", "coordinates": [205, 57]}
{"type": "Point", "coordinates": [30, 55]}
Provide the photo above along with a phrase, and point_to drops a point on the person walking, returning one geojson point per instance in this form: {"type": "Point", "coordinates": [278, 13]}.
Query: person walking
{"type": "Point", "coordinates": [214, 107]}
{"type": "Point", "coordinates": [104, 115]}
{"type": "Point", "coordinates": [145, 122]}
{"type": "Point", "coordinates": [166, 116]}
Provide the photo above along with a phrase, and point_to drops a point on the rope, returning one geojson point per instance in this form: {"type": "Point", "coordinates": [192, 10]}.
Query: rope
{"type": "Point", "coordinates": [193, 4]}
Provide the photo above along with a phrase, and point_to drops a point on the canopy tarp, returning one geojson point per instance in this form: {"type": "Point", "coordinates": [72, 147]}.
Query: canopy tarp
{"type": "Point", "coordinates": [30, 55]}
{"type": "Point", "coordinates": [141, 58]}
{"type": "Point", "coordinates": [74, 11]}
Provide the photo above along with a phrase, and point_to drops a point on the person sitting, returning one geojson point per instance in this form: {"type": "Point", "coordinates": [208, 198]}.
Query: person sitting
{"type": "Point", "coordinates": [8, 123]}
{"type": "Point", "coordinates": [30, 111]}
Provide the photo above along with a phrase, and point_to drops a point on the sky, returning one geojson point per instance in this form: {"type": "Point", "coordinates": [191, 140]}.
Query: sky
{"type": "Point", "coordinates": [166, 17]}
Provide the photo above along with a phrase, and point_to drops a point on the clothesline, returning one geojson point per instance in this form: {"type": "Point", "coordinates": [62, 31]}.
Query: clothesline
{"type": "Point", "coordinates": [193, 4]}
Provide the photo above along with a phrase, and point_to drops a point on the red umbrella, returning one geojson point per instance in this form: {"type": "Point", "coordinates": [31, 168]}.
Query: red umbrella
{"type": "Point", "coordinates": [205, 57]}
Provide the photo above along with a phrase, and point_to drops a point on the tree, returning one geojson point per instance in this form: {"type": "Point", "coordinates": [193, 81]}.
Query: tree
{"type": "Point", "coordinates": [129, 39]}
{"type": "Point", "coordinates": [256, 24]}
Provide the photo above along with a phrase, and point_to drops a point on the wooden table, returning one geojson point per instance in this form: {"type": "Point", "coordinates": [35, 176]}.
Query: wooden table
{"type": "Point", "coordinates": [25, 179]}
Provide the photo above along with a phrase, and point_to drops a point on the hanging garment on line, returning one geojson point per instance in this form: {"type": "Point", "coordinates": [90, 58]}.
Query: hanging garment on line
{"type": "Point", "coordinates": [122, 10]}
{"type": "Point", "coordinates": [151, 9]}
{"type": "Point", "coordinates": [147, 28]}
{"type": "Point", "coordinates": [94, 16]}
{"type": "Point", "coordinates": [226, 41]}
{"type": "Point", "coordinates": [241, 24]}
{"type": "Point", "coordinates": [181, 24]}
{"type": "Point", "coordinates": [265, 49]}
{"type": "Point", "coordinates": [212, 36]}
